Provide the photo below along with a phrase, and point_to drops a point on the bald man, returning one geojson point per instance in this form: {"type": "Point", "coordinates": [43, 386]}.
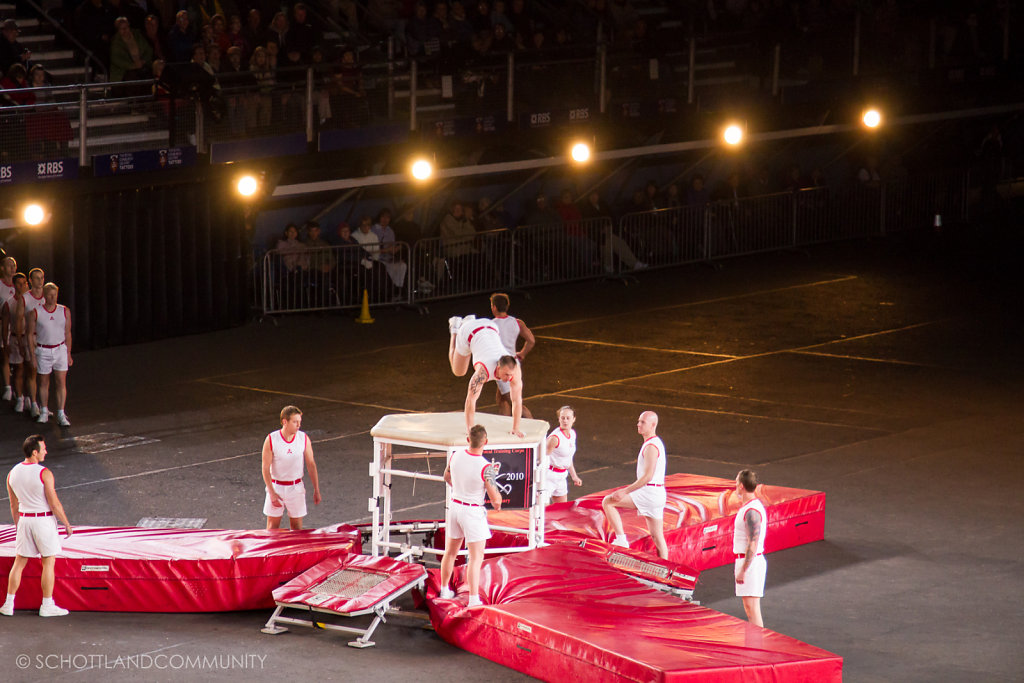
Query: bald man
{"type": "Point", "coordinates": [646, 495]}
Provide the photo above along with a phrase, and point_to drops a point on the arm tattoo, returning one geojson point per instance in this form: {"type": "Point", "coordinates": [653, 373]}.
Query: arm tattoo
{"type": "Point", "coordinates": [477, 383]}
{"type": "Point", "coordinates": [752, 520]}
{"type": "Point", "coordinates": [491, 474]}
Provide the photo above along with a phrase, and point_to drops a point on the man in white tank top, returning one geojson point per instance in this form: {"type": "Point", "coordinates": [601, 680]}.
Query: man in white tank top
{"type": "Point", "coordinates": [28, 302]}
{"type": "Point", "coordinates": [561, 447]}
{"type": "Point", "coordinates": [34, 503]}
{"type": "Point", "coordinates": [8, 267]}
{"type": "Point", "coordinates": [477, 340]}
{"type": "Point", "coordinates": [510, 329]}
{"type": "Point", "coordinates": [748, 545]}
{"type": "Point", "coordinates": [471, 478]}
{"type": "Point", "coordinates": [646, 495]}
{"type": "Point", "coordinates": [49, 333]}
{"type": "Point", "coordinates": [285, 452]}
{"type": "Point", "coordinates": [15, 344]}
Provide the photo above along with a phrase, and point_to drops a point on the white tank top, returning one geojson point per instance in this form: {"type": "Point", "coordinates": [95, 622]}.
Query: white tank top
{"type": "Point", "coordinates": [486, 346]}
{"type": "Point", "coordinates": [26, 479]}
{"type": "Point", "coordinates": [508, 330]}
{"type": "Point", "coordinates": [659, 468]}
{"type": "Point", "coordinates": [467, 472]}
{"type": "Point", "coordinates": [32, 303]}
{"type": "Point", "coordinates": [561, 454]}
{"type": "Point", "coordinates": [288, 461]}
{"type": "Point", "coordinates": [51, 325]}
{"type": "Point", "coordinates": [6, 293]}
{"type": "Point", "coordinates": [739, 530]}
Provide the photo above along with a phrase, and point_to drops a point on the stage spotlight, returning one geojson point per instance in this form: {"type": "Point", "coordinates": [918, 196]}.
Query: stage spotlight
{"type": "Point", "coordinates": [247, 186]}
{"type": "Point", "coordinates": [872, 118]}
{"type": "Point", "coordinates": [421, 169]}
{"type": "Point", "coordinates": [33, 214]}
{"type": "Point", "coordinates": [580, 152]}
{"type": "Point", "coordinates": [733, 134]}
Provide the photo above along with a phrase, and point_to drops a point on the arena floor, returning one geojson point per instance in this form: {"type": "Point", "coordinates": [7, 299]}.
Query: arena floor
{"type": "Point", "coordinates": [884, 374]}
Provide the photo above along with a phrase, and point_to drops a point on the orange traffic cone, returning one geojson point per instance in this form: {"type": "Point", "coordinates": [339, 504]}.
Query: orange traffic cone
{"type": "Point", "coordinates": [364, 314]}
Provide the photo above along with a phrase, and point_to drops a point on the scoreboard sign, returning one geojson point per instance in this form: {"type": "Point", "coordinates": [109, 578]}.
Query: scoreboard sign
{"type": "Point", "coordinates": [515, 471]}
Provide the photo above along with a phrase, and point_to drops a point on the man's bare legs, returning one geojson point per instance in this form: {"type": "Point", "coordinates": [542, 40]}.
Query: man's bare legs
{"type": "Point", "coordinates": [459, 363]}
{"type": "Point", "coordinates": [656, 528]}
{"type": "Point", "coordinates": [752, 606]}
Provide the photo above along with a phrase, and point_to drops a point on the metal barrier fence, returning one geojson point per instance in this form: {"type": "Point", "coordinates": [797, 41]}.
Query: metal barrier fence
{"type": "Point", "coordinates": [532, 255]}
{"type": "Point", "coordinates": [331, 278]}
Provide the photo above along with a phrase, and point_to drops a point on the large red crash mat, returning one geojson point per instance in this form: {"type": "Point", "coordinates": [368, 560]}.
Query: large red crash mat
{"type": "Point", "coordinates": [128, 569]}
{"type": "Point", "coordinates": [699, 516]}
{"type": "Point", "coordinates": [561, 613]}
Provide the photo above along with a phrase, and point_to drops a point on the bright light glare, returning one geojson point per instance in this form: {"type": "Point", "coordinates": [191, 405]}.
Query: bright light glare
{"type": "Point", "coordinates": [872, 118]}
{"type": "Point", "coordinates": [247, 186]}
{"type": "Point", "coordinates": [34, 214]}
{"type": "Point", "coordinates": [422, 169]}
{"type": "Point", "coordinates": [580, 152]}
{"type": "Point", "coordinates": [733, 134]}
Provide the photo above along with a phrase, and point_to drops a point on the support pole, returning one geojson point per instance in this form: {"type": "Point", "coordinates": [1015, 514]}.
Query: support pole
{"type": "Point", "coordinates": [83, 124]}
{"type": "Point", "coordinates": [690, 78]}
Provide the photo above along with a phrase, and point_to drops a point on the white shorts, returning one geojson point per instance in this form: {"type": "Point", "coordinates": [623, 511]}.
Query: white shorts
{"type": "Point", "coordinates": [14, 356]}
{"type": "Point", "coordinates": [462, 337]}
{"type": "Point", "coordinates": [753, 581]}
{"type": "Point", "coordinates": [48, 360]}
{"type": "Point", "coordinates": [468, 522]}
{"type": "Point", "coordinates": [294, 498]}
{"type": "Point", "coordinates": [650, 501]}
{"type": "Point", "coordinates": [37, 537]}
{"type": "Point", "coordinates": [558, 482]}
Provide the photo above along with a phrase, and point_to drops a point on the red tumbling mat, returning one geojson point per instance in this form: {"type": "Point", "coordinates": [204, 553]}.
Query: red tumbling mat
{"type": "Point", "coordinates": [699, 518]}
{"type": "Point", "coordinates": [128, 569]}
{"type": "Point", "coordinates": [560, 613]}
{"type": "Point", "coordinates": [350, 584]}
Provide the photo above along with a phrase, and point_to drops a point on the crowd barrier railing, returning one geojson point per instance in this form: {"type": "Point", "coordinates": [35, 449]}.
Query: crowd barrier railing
{"type": "Point", "coordinates": [558, 252]}
{"type": "Point", "coordinates": [333, 278]}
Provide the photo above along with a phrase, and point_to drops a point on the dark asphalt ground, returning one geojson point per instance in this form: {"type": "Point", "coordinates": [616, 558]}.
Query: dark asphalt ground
{"type": "Point", "coordinates": [887, 374]}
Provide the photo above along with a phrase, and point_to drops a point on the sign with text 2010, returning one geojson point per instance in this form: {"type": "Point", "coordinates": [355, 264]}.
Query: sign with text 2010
{"type": "Point", "coordinates": [515, 471]}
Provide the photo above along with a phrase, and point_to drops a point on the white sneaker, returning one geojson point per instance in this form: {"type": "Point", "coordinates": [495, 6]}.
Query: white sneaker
{"type": "Point", "coordinates": [52, 611]}
{"type": "Point", "coordinates": [19, 405]}
{"type": "Point", "coordinates": [454, 323]}
{"type": "Point", "coordinates": [7, 610]}
{"type": "Point", "coordinates": [446, 594]}
{"type": "Point", "coordinates": [621, 542]}
{"type": "Point", "coordinates": [44, 416]}
{"type": "Point", "coordinates": [474, 601]}
{"type": "Point", "coordinates": [35, 410]}
{"type": "Point", "coordinates": [62, 419]}
{"type": "Point", "coordinates": [7, 393]}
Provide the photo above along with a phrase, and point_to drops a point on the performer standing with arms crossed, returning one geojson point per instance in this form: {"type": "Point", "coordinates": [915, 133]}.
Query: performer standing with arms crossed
{"type": "Point", "coordinates": [510, 329]}
{"type": "Point", "coordinates": [471, 477]}
{"type": "Point", "coordinates": [748, 545]}
{"type": "Point", "coordinates": [284, 453]}
{"type": "Point", "coordinates": [561, 447]}
{"type": "Point", "coordinates": [647, 494]}
{"type": "Point", "coordinates": [34, 503]}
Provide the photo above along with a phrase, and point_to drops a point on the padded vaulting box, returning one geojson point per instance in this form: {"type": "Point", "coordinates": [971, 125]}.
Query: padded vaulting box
{"type": "Point", "coordinates": [128, 569]}
{"type": "Point", "coordinates": [561, 613]}
{"type": "Point", "coordinates": [699, 517]}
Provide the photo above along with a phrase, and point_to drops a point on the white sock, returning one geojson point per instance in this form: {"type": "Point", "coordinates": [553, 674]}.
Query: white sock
{"type": "Point", "coordinates": [10, 599]}
{"type": "Point", "coordinates": [48, 602]}
{"type": "Point", "coordinates": [59, 413]}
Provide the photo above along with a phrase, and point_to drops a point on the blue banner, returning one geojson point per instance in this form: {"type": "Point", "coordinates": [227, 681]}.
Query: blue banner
{"type": "Point", "coordinates": [33, 171]}
{"type": "Point", "coordinates": [354, 138]}
{"type": "Point", "coordinates": [104, 165]}
{"type": "Point", "coordinates": [557, 117]}
{"type": "Point", "coordinates": [258, 148]}
{"type": "Point", "coordinates": [465, 126]}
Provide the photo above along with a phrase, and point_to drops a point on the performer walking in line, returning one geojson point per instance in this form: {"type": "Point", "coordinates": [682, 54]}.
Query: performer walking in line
{"type": "Point", "coordinates": [561, 447]}
{"type": "Point", "coordinates": [647, 494]}
{"type": "Point", "coordinates": [284, 453]}
{"type": "Point", "coordinates": [34, 503]}
{"type": "Point", "coordinates": [748, 545]}
{"type": "Point", "coordinates": [477, 340]}
{"type": "Point", "coordinates": [471, 477]}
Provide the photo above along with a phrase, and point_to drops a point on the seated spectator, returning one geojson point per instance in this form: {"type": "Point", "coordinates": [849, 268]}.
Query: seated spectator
{"type": "Point", "coordinates": [501, 41]}
{"type": "Point", "coordinates": [500, 18]}
{"type": "Point", "coordinates": [293, 259]}
{"type": "Point", "coordinates": [16, 79]}
{"type": "Point", "coordinates": [583, 249]}
{"type": "Point", "coordinates": [522, 22]}
{"type": "Point", "coordinates": [697, 194]}
{"type": "Point", "coordinates": [181, 38]}
{"type": "Point", "coordinates": [219, 29]}
{"type": "Point", "coordinates": [154, 35]}
{"type": "Point", "coordinates": [458, 244]}
{"type": "Point", "coordinates": [39, 78]}
{"type": "Point", "coordinates": [213, 58]}
{"type": "Point", "coordinates": [481, 16]}
{"type": "Point", "coordinates": [277, 32]}
{"type": "Point", "coordinates": [613, 247]}
{"type": "Point", "coordinates": [234, 36]}
{"type": "Point", "coordinates": [94, 22]}
{"type": "Point", "coordinates": [254, 34]}
{"type": "Point", "coordinates": [390, 252]}
{"type": "Point", "coordinates": [321, 264]}
{"type": "Point", "coordinates": [239, 84]}
{"type": "Point", "coordinates": [348, 99]}
{"type": "Point", "coordinates": [11, 51]}
{"type": "Point", "coordinates": [672, 198]}
{"type": "Point", "coordinates": [417, 30]}
{"type": "Point", "coordinates": [131, 56]}
{"type": "Point", "coordinates": [490, 218]}
{"type": "Point", "coordinates": [258, 115]}
{"type": "Point", "coordinates": [462, 29]}
{"type": "Point", "coordinates": [302, 35]}
{"type": "Point", "coordinates": [373, 271]}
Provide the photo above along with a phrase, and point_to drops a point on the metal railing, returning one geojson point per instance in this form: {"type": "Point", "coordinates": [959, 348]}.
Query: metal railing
{"type": "Point", "coordinates": [462, 264]}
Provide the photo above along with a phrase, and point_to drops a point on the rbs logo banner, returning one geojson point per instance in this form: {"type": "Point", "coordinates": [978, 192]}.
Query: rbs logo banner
{"type": "Point", "coordinates": [32, 171]}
